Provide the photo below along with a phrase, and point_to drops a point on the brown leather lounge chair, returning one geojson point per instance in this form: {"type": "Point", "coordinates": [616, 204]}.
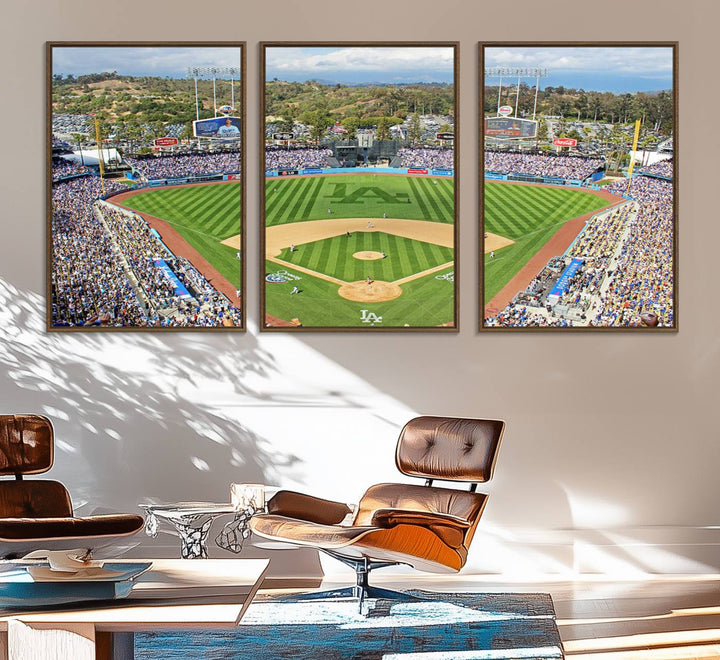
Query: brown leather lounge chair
{"type": "Point", "coordinates": [37, 514]}
{"type": "Point", "coordinates": [427, 527]}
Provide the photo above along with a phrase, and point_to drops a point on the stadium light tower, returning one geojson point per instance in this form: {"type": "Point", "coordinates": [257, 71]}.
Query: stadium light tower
{"type": "Point", "coordinates": [521, 72]}
{"type": "Point", "coordinates": [213, 73]}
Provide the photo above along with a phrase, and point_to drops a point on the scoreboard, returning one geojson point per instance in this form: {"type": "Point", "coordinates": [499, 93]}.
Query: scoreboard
{"type": "Point", "coordinates": [510, 127]}
{"type": "Point", "coordinates": [223, 128]}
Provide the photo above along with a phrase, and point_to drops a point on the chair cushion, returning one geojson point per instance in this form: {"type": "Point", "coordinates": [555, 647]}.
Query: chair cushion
{"type": "Point", "coordinates": [414, 497]}
{"type": "Point", "coordinates": [36, 498]}
{"type": "Point", "coordinates": [22, 529]}
{"type": "Point", "coordinates": [449, 448]}
{"type": "Point", "coordinates": [26, 444]}
{"type": "Point", "coordinates": [420, 547]}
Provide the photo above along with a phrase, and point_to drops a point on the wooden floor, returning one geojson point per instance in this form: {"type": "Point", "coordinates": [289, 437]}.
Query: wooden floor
{"type": "Point", "coordinates": [659, 618]}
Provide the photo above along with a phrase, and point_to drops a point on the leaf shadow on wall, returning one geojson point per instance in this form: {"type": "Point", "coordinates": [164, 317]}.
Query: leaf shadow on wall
{"type": "Point", "coordinates": [127, 408]}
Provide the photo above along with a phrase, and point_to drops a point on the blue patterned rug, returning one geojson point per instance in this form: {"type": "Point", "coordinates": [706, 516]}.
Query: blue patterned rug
{"type": "Point", "coordinates": [441, 626]}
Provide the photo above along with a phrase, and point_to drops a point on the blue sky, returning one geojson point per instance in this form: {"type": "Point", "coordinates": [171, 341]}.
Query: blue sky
{"type": "Point", "coordinates": [360, 64]}
{"type": "Point", "coordinates": [140, 60]}
{"type": "Point", "coordinates": [599, 68]}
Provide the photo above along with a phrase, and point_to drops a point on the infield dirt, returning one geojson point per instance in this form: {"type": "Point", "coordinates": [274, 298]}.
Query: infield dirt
{"type": "Point", "coordinates": [279, 237]}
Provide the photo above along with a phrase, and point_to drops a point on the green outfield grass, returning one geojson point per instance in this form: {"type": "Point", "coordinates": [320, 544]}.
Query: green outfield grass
{"type": "Point", "coordinates": [204, 216]}
{"type": "Point", "coordinates": [425, 302]}
{"type": "Point", "coordinates": [528, 215]}
{"type": "Point", "coordinates": [333, 256]}
{"type": "Point", "coordinates": [358, 196]}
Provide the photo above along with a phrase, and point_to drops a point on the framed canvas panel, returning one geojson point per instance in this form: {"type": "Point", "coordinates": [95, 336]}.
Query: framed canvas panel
{"type": "Point", "coordinates": [358, 201]}
{"type": "Point", "coordinates": [145, 187]}
{"type": "Point", "coordinates": [579, 182]}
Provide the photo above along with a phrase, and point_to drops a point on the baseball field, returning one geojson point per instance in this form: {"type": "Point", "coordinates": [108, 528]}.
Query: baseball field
{"type": "Point", "coordinates": [359, 250]}
{"type": "Point", "coordinates": [520, 220]}
{"type": "Point", "coordinates": [208, 217]}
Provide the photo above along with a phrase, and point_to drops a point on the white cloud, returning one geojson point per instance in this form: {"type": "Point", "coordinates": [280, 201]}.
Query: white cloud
{"type": "Point", "coordinates": [359, 58]}
{"type": "Point", "coordinates": [640, 61]}
{"type": "Point", "coordinates": [140, 60]}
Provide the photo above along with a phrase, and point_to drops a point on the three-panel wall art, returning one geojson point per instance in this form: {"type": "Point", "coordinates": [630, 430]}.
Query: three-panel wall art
{"type": "Point", "coordinates": [358, 156]}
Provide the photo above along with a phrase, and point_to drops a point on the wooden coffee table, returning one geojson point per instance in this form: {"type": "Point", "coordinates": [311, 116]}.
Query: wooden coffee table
{"type": "Point", "coordinates": [174, 593]}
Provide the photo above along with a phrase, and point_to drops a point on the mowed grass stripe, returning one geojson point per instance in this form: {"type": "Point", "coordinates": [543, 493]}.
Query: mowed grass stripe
{"type": "Point", "coordinates": [529, 215]}
{"type": "Point", "coordinates": [419, 198]}
{"type": "Point", "coordinates": [366, 195]}
{"type": "Point", "coordinates": [447, 188]}
{"type": "Point", "coordinates": [427, 301]}
{"type": "Point", "coordinates": [216, 217]}
{"type": "Point", "coordinates": [445, 209]}
{"type": "Point", "coordinates": [285, 196]}
{"type": "Point", "coordinates": [302, 195]}
{"type": "Point", "coordinates": [333, 256]}
{"type": "Point", "coordinates": [516, 213]}
{"type": "Point", "coordinates": [446, 191]}
{"type": "Point", "coordinates": [222, 222]}
{"type": "Point", "coordinates": [203, 216]}
{"type": "Point", "coordinates": [527, 209]}
{"type": "Point", "coordinates": [316, 186]}
{"type": "Point", "coordinates": [425, 186]}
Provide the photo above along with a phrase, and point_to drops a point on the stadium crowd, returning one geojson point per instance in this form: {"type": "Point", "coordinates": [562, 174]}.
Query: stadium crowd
{"type": "Point", "coordinates": [64, 168]}
{"type": "Point", "coordinates": [280, 158]}
{"type": "Point", "coordinates": [103, 271]}
{"type": "Point", "coordinates": [642, 279]}
{"type": "Point", "coordinates": [427, 158]}
{"type": "Point", "coordinates": [87, 280]}
{"type": "Point", "coordinates": [196, 164]}
{"type": "Point", "coordinates": [566, 167]}
{"type": "Point", "coordinates": [627, 266]}
{"type": "Point", "coordinates": [661, 168]}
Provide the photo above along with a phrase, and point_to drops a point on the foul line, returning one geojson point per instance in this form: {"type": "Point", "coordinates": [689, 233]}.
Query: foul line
{"type": "Point", "coordinates": [307, 271]}
{"type": "Point", "coordinates": [334, 280]}
{"type": "Point", "coordinates": [429, 271]}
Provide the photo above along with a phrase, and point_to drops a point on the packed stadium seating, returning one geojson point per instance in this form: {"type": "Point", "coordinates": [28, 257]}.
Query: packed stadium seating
{"type": "Point", "coordinates": [427, 158]}
{"type": "Point", "coordinates": [103, 271]}
{"type": "Point", "coordinates": [279, 158]}
{"type": "Point", "coordinates": [627, 266]}
{"type": "Point", "coordinates": [566, 167]}
{"type": "Point", "coordinates": [201, 164]}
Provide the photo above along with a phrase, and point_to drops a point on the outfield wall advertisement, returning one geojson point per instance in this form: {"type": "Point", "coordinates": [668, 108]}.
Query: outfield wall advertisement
{"type": "Point", "coordinates": [527, 178]}
{"type": "Point", "coordinates": [183, 180]}
{"type": "Point", "coordinates": [359, 170]}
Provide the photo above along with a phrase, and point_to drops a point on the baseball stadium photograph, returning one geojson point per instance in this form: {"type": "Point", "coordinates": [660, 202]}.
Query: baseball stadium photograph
{"type": "Point", "coordinates": [578, 212]}
{"type": "Point", "coordinates": [358, 201]}
{"type": "Point", "coordinates": [145, 186]}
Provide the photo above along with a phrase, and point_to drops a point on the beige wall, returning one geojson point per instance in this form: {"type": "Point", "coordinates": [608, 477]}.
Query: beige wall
{"type": "Point", "coordinates": [611, 457]}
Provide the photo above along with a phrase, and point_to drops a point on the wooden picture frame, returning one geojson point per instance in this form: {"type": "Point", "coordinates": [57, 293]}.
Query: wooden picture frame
{"type": "Point", "coordinates": [561, 246]}
{"type": "Point", "coordinates": [145, 186]}
{"type": "Point", "coordinates": [346, 244]}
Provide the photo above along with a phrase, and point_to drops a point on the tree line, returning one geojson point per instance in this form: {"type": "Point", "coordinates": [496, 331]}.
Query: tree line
{"type": "Point", "coordinates": [656, 110]}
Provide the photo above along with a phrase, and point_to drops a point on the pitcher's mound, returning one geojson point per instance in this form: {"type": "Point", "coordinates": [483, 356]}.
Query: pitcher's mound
{"type": "Point", "coordinates": [375, 292]}
{"type": "Point", "coordinates": [368, 255]}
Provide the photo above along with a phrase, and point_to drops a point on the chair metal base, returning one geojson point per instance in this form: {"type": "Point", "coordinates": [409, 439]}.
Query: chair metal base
{"type": "Point", "coordinates": [362, 590]}
{"type": "Point", "coordinates": [353, 593]}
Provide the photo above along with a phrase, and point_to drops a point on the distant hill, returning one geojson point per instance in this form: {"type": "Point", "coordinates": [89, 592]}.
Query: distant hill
{"type": "Point", "coordinates": [134, 101]}
{"type": "Point", "coordinates": [291, 99]}
{"type": "Point", "coordinates": [656, 108]}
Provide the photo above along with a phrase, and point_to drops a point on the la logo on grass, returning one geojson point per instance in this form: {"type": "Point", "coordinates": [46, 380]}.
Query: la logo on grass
{"type": "Point", "coordinates": [341, 196]}
{"type": "Point", "coordinates": [366, 316]}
